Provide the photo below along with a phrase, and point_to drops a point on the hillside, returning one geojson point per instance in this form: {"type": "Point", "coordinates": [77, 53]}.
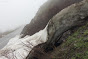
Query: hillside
{"type": "Point", "coordinates": [54, 33]}
{"type": "Point", "coordinates": [67, 36]}
{"type": "Point", "coordinates": [75, 45]}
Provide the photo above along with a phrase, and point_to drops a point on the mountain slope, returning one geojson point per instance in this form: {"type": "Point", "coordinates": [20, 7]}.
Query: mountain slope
{"type": "Point", "coordinates": [75, 46]}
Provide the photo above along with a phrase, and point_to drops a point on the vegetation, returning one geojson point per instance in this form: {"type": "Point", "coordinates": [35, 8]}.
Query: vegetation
{"type": "Point", "coordinates": [75, 47]}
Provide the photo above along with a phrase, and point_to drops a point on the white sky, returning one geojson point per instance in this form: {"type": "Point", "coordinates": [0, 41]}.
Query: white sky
{"type": "Point", "coordinates": [14, 13]}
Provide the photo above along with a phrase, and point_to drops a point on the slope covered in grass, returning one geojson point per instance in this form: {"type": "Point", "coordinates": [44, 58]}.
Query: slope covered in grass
{"type": "Point", "coordinates": [75, 46]}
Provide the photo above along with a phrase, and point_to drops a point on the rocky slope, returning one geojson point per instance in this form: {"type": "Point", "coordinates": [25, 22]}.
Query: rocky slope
{"type": "Point", "coordinates": [65, 35]}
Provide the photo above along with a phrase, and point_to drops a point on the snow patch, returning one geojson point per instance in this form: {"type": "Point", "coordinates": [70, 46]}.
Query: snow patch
{"type": "Point", "coordinates": [19, 48]}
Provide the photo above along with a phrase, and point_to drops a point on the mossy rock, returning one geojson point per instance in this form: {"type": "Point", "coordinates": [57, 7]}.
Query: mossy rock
{"type": "Point", "coordinates": [75, 46]}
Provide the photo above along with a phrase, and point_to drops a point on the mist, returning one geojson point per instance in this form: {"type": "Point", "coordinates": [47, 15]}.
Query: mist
{"type": "Point", "coordinates": [15, 13]}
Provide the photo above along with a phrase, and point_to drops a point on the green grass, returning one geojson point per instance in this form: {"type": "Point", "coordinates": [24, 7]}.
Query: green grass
{"type": "Point", "coordinates": [75, 46]}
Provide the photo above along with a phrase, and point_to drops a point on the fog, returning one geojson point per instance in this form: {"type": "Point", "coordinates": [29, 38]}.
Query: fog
{"type": "Point", "coordinates": [14, 13]}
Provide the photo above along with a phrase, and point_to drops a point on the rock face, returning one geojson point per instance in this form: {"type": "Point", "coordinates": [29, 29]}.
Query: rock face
{"type": "Point", "coordinates": [59, 28]}
{"type": "Point", "coordinates": [45, 13]}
